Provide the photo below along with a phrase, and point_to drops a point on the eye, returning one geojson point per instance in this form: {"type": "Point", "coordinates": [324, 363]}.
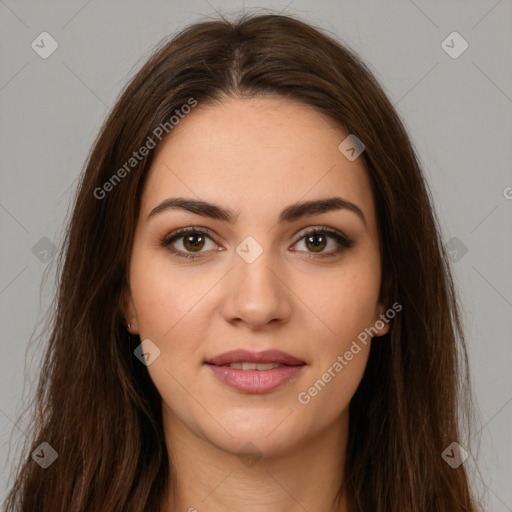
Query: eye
{"type": "Point", "coordinates": [317, 240]}
{"type": "Point", "coordinates": [191, 239]}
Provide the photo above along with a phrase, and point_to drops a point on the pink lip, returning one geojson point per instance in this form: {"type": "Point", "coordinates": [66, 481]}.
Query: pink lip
{"type": "Point", "coordinates": [255, 381]}
{"type": "Point", "coordinates": [246, 356]}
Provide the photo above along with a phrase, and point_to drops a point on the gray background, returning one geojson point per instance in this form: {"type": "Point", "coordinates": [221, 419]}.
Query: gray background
{"type": "Point", "coordinates": [458, 113]}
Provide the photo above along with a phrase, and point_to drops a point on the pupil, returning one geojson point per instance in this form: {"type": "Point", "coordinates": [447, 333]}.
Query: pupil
{"type": "Point", "coordinates": [316, 245]}
{"type": "Point", "coordinates": [191, 237]}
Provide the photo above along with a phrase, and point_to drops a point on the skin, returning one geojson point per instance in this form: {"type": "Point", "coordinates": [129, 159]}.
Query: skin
{"type": "Point", "coordinates": [255, 156]}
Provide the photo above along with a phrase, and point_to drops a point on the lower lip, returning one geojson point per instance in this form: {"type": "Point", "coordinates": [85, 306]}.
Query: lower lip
{"type": "Point", "coordinates": [255, 381]}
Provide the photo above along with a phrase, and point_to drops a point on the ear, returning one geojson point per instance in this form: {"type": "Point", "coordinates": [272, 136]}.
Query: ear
{"type": "Point", "coordinates": [382, 321]}
{"type": "Point", "coordinates": [127, 308]}
{"type": "Point", "coordinates": [381, 324]}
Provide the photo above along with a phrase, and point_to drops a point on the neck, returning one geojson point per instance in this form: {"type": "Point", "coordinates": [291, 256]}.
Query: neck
{"type": "Point", "coordinates": [304, 477]}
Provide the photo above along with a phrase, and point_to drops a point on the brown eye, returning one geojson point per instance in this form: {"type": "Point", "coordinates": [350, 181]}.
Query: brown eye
{"type": "Point", "coordinates": [317, 241]}
{"type": "Point", "coordinates": [192, 241]}
{"type": "Point", "coordinates": [315, 245]}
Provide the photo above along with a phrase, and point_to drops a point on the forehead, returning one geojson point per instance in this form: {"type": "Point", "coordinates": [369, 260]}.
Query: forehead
{"type": "Point", "coordinates": [255, 156]}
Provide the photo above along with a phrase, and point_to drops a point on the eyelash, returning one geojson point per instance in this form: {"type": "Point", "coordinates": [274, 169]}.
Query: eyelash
{"type": "Point", "coordinates": [343, 241]}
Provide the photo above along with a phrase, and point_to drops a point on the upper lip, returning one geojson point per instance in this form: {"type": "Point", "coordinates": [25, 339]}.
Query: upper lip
{"type": "Point", "coordinates": [247, 356]}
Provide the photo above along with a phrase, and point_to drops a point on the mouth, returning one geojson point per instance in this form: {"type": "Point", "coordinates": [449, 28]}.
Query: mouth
{"type": "Point", "coordinates": [252, 366]}
{"type": "Point", "coordinates": [246, 357]}
{"type": "Point", "coordinates": [255, 372]}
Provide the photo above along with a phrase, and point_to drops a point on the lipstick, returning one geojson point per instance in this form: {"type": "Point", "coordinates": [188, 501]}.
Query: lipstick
{"type": "Point", "coordinates": [255, 372]}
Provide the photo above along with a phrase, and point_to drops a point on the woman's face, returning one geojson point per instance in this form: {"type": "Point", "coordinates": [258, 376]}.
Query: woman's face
{"type": "Point", "coordinates": [261, 280]}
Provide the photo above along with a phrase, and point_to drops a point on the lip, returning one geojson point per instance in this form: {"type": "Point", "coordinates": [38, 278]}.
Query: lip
{"type": "Point", "coordinates": [255, 381]}
{"type": "Point", "coordinates": [266, 356]}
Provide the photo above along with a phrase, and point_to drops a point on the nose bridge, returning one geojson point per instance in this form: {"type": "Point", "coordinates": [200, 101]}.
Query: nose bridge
{"type": "Point", "coordinates": [253, 262]}
{"type": "Point", "coordinates": [257, 294]}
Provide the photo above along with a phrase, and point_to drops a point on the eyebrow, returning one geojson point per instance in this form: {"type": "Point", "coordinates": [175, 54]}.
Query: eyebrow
{"type": "Point", "coordinates": [291, 213]}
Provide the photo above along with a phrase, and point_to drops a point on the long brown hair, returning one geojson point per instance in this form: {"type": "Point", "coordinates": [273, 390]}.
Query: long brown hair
{"type": "Point", "coordinates": [95, 403]}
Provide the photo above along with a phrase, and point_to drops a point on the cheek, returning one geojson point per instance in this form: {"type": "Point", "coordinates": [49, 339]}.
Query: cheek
{"type": "Point", "coordinates": [343, 304]}
{"type": "Point", "coordinates": [174, 312]}
{"type": "Point", "coordinates": [344, 310]}
{"type": "Point", "coordinates": [169, 308]}
{"type": "Point", "coordinates": [329, 394]}
{"type": "Point", "coordinates": [168, 300]}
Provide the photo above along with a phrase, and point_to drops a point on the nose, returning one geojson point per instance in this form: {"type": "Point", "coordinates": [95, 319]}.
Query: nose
{"type": "Point", "coordinates": [256, 292]}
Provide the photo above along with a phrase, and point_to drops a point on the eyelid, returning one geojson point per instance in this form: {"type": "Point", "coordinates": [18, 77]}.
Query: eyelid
{"type": "Point", "coordinates": [182, 232]}
{"type": "Point", "coordinates": [178, 233]}
{"type": "Point", "coordinates": [342, 240]}
{"type": "Point", "coordinates": [339, 236]}
{"type": "Point", "coordinates": [305, 231]}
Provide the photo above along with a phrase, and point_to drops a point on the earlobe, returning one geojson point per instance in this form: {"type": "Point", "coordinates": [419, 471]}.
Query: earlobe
{"type": "Point", "coordinates": [128, 310]}
{"type": "Point", "coordinates": [381, 324]}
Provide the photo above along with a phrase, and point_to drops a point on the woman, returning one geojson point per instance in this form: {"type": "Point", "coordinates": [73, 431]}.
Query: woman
{"type": "Point", "coordinates": [255, 309]}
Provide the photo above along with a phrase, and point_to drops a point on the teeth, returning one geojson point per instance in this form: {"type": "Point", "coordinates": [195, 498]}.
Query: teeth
{"type": "Point", "coordinates": [254, 366]}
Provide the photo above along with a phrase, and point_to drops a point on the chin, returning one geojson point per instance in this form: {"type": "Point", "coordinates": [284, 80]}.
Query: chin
{"type": "Point", "coordinates": [255, 444]}
{"type": "Point", "coordinates": [268, 435]}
